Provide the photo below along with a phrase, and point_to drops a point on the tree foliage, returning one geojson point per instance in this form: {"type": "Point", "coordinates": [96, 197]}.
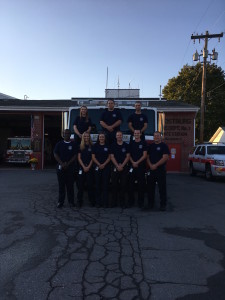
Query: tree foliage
{"type": "Point", "coordinates": [186, 87]}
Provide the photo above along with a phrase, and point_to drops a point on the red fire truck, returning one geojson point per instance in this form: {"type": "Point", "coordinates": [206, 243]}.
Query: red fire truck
{"type": "Point", "coordinates": [18, 150]}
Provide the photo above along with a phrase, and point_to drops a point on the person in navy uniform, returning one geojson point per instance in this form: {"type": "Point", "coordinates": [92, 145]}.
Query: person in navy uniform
{"type": "Point", "coordinates": [119, 153]}
{"type": "Point", "coordinates": [85, 170]}
{"type": "Point", "coordinates": [101, 159]}
{"type": "Point", "coordinates": [138, 155]}
{"type": "Point", "coordinates": [81, 124]}
{"type": "Point", "coordinates": [110, 121]}
{"type": "Point", "coordinates": [158, 155]}
{"type": "Point", "coordinates": [65, 153]}
{"type": "Point", "coordinates": [138, 120]}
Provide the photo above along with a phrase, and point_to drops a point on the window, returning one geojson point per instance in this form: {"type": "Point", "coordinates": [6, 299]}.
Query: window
{"type": "Point", "coordinates": [203, 150]}
{"type": "Point", "coordinates": [216, 149]}
{"type": "Point", "coordinates": [198, 150]}
{"type": "Point", "coordinates": [19, 144]}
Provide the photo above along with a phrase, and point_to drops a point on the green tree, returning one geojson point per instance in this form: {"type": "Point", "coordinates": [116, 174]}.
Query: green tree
{"type": "Point", "coordinates": [186, 87]}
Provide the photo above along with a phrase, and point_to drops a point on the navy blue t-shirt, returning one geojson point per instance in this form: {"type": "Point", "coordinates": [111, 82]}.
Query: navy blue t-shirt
{"type": "Point", "coordinates": [119, 151]}
{"type": "Point", "coordinates": [82, 124]}
{"type": "Point", "coordinates": [66, 150]}
{"type": "Point", "coordinates": [137, 120]}
{"type": "Point", "coordinates": [137, 149]}
{"type": "Point", "coordinates": [156, 152]}
{"type": "Point", "coordinates": [101, 152]}
{"type": "Point", "coordinates": [86, 155]}
{"type": "Point", "coordinates": [110, 117]}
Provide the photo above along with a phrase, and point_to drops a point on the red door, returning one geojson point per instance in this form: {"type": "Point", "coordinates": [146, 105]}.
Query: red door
{"type": "Point", "coordinates": [174, 162]}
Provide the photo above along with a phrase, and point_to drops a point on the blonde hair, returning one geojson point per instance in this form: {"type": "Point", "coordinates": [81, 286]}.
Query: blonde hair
{"type": "Point", "coordinates": [82, 144]}
{"type": "Point", "coordinates": [86, 118]}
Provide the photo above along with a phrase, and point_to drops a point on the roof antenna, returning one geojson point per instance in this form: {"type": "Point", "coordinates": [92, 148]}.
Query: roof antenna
{"type": "Point", "coordinates": [160, 93]}
{"type": "Point", "coordinates": [107, 76]}
{"type": "Point", "coordinates": [118, 87]}
{"type": "Point", "coordinates": [130, 83]}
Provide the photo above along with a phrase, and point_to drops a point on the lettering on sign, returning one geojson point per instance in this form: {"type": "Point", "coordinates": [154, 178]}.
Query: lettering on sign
{"type": "Point", "coordinates": [177, 128]}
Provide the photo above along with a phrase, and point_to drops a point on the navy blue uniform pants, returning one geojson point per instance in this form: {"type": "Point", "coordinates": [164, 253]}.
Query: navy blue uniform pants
{"type": "Point", "coordinates": [139, 175]}
{"type": "Point", "coordinates": [81, 179]}
{"type": "Point", "coordinates": [119, 186]}
{"type": "Point", "coordinates": [66, 184]}
{"type": "Point", "coordinates": [158, 176]}
{"type": "Point", "coordinates": [102, 185]}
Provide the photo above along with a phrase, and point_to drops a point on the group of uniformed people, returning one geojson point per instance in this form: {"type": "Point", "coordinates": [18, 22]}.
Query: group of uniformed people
{"type": "Point", "coordinates": [111, 160]}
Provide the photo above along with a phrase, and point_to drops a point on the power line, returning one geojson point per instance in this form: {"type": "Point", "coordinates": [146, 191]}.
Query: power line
{"type": "Point", "coordinates": [203, 15]}
{"type": "Point", "coordinates": [217, 20]}
{"type": "Point", "coordinates": [200, 20]}
{"type": "Point", "coordinates": [216, 88]}
{"type": "Point", "coordinates": [185, 54]}
{"type": "Point", "coordinates": [192, 83]}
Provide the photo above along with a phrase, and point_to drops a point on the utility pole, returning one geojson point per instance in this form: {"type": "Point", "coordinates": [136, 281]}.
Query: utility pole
{"type": "Point", "coordinates": [205, 55]}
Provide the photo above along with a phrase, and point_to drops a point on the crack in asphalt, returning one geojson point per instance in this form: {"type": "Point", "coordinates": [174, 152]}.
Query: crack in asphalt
{"type": "Point", "coordinates": [91, 254]}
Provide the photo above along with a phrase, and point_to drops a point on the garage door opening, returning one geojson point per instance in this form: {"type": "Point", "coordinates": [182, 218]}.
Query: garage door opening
{"type": "Point", "coordinates": [12, 125]}
{"type": "Point", "coordinates": [52, 134]}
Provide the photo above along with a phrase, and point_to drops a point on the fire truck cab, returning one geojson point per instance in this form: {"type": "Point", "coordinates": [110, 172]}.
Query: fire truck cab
{"type": "Point", "coordinates": [18, 150]}
{"type": "Point", "coordinates": [96, 108]}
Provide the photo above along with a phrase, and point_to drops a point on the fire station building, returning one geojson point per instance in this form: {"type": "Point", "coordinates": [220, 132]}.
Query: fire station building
{"type": "Point", "coordinates": [43, 121]}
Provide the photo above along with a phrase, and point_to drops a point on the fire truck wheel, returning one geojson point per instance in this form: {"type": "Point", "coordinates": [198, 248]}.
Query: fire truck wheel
{"type": "Point", "coordinates": [208, 172]}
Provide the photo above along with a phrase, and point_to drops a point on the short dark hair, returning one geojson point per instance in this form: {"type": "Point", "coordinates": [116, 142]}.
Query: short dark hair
{"type": "Point", "coordinates": [111, 100]}
{"type": "Point", "coordinates": [67, 131]}
{"type": "Point", "coordinates": [138, 102]}
{"type": "Point", "coordinates": [137, 130]}
{"type": "Point", "coordinates": [119, 131]}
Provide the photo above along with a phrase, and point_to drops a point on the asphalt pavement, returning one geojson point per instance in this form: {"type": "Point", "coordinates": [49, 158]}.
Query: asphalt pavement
{"type": "Point", "coordinates": [110, 253]}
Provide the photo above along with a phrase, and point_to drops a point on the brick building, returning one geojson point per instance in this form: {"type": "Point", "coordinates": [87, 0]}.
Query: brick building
{"type": "Point", "coordinates": [42, 120]}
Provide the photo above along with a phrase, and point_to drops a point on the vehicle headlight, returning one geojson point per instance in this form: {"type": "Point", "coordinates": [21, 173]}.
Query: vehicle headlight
{"type": "Point", "coordinates": [219, 162]}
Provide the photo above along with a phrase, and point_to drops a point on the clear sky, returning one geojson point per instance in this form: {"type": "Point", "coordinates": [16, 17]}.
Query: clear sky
{"type": "Point", "coordinates": [59, 49]}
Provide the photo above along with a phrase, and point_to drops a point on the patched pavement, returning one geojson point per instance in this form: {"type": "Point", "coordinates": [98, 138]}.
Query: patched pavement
{"type": "Point", "coordinates": [112, 253]}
